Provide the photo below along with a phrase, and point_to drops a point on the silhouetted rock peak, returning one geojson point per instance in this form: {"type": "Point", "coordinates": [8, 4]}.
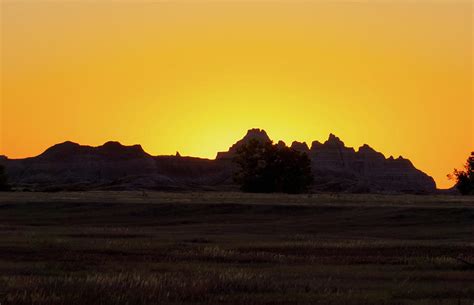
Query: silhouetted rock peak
{"type": "Point", "coordinates": [366, 148]}
{"type": "Point", "coordinates": [300, 146]}
{"type": "Point", "coordinates": [63, 146]}
{"type": "Point", "coordinates": [257, 134]}
{"type": "Point", "coordinates": [334, 141]}
{"type": "Point", "coordinates": [315, 145]}
{"type": "Point", "coordinates": [61, 150]}
{"type": "Point", "coordinates": [114, 147]}
{"type": "Point", "coordinates": [370, 154]}
{"type": "Point", "coordinates": [117, 145]}
{"type": "Point", "coordinates": [252, 134]}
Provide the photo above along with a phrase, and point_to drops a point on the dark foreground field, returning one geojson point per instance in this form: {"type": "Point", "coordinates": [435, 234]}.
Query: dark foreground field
{"type": "Point", "coordinates": [228, 248]}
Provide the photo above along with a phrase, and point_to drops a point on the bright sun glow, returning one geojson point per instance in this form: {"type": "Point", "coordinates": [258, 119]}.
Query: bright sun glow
{"type": "Point", "coordinates": [194, 76]}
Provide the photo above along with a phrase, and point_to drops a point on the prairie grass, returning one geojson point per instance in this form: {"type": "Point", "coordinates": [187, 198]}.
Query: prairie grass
{"type": "Point", "coordinates": [234, 249]}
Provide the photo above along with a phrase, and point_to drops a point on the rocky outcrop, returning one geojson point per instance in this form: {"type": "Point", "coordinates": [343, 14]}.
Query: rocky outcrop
{"type": "Point", "coordinates": [340, 168]}
{"type": "Point", "coordinates": [391, 174]}
{"type": "Point", "coordinates": [332, 155]}
{"type": "Point", "coordinates": [252, 134]}
{"type": "Point", "coordinates": [336, 168]}
{"type": "Point", "coordinates": [300, 146]}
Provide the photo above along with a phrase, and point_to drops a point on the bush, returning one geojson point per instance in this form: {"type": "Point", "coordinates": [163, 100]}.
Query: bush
{"type": "Point", "coordinates": [268, 168]}
{"type": "Point", "coordinates": [3, 180]}
{"type": "Point", "coordinates": [465, 178]}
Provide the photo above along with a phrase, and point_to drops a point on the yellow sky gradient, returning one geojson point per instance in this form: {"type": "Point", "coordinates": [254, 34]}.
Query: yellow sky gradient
{"type": "Point", "coordinates": [193, 76]}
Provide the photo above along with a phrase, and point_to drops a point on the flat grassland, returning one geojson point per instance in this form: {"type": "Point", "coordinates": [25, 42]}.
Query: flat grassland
{"type": "Point", "coordinates": [235, 249]}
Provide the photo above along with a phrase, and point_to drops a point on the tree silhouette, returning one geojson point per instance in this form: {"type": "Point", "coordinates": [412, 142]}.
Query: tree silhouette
{"type": "Point", "coordinates": [465, 178]}
{"type": "Point", "coordinates": [267, 168]}
{"type": "Point", "coordinates": [3, 180]}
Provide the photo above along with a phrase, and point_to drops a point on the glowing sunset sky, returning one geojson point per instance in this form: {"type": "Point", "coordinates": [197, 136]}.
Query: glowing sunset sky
{"type": "Point", "coordinates": [194, 76]}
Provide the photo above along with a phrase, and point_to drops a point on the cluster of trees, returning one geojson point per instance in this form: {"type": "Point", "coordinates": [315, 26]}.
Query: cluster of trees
{"type": "Point", "coordinates": [465, 178]}
{"type": "Point", "coordinates": [266, 168]}
{"type": "Point", "coordinates": [3, 180]}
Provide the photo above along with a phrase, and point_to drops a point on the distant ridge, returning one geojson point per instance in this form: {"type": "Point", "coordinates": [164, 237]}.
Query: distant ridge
{"type": "Point", "coordinates": [111, 149]}
{"type": "Point", "coordinates": [336, 168]}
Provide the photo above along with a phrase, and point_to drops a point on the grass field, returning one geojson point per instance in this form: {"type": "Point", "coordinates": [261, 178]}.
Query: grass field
{"type": "Point", "coordinates": [236, 249]}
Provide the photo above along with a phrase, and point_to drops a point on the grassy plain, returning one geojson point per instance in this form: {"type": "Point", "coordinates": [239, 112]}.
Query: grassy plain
{"type": "Point", "coordinates": [235, 249]}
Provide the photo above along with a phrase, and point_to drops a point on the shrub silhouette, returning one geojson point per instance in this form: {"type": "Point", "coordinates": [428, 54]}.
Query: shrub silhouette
{"type": "Point", "coordinates": [465, 178]}
{"type": "Point", "coordinates": [3, 180]}
{"type": "Point", "coordinates": [268, 168]}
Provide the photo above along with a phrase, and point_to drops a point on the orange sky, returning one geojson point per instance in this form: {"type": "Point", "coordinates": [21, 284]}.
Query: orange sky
{"type": "Point", "coordinates": [193, 76]}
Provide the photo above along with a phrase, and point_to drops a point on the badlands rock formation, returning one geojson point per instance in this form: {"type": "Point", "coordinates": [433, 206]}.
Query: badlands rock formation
{"type": "Point", "coordinates": [115, 166]}
{"type": "Point", "coordinates": [340, 168]}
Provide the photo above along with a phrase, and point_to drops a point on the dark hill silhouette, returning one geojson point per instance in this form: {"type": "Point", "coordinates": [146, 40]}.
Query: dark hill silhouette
{"type": "Point", "coordinates": [110, 150]}
{"type": "Point", "coordinates": [115, 166]}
